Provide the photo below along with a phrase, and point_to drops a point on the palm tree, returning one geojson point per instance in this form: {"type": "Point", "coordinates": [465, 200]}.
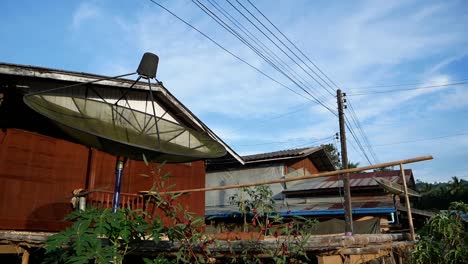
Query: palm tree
{"type": "Point", "coordinates": [455, 186]}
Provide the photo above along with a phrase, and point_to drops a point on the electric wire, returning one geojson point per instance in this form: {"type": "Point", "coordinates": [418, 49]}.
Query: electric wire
{"type": "Point", "coordinates": [228, 51]}
{"type": "Point", "coordinates": [321, 142]}
{"type": "Point", "coordinates": [396, 85]}
{"type": "Point", "coordinates": [272, 55]}
{"type": "Point", "coordinates": [326, 139]}
{"type": "Point", "coordinates": [408, 89]}
{"type": "Point", "coordinates": [271, 40]}
{"type": "Point", "coordinates": [256, 50]}
{"type": "Point", "coordinates": [354, 116]}
{"type": "Point", "coordinates": [272, 60]}
{"type": "Point", "coordinates": [361, 148]}
{"type": "Point", "coordinates": [300, 51]}
{"type": "Point", "coordinates": [267, 60]}
{"type": "Point", "coordinates": [358, 125]}
{"type": "Point", "coordinates": [423, 139]}
{"type": "Point", "coordinates": [303, 62]}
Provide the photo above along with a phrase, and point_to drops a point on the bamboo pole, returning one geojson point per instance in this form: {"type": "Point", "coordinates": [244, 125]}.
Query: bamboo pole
{"type": "Point", "coordinates": [408, 206]}
{"type": "Point", "coordinates": [316, 175]}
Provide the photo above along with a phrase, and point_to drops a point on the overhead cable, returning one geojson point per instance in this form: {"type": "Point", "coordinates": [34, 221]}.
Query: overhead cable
{"type": "Point", "coordinates": [408, 89]}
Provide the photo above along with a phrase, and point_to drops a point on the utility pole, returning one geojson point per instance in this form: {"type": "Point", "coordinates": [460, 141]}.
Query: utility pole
{"type": "Point", "coordinates": [344, 162]}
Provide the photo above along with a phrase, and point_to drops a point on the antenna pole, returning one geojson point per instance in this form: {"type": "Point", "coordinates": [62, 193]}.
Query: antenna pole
{"type": "Point", "coordinates": [119, 166]}
{"type": "Point", "coordinates": [344, 161]}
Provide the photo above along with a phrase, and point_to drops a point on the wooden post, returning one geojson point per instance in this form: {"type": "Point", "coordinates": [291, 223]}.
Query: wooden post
{"type": "Point", "coordinates": [344, 161]}
{"type": "Point", "coordinates": [408, 206]}
{"type": "Point", "coordinates": [25, 257]}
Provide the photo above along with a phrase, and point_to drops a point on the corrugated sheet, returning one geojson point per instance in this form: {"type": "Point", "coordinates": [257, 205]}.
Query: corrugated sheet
{"type": "Point", "coordinates": [355, 180]}
{"type": "Point", "coordinates": [300, 152]}
{"type": "Point", "coordinates": [314, 209]}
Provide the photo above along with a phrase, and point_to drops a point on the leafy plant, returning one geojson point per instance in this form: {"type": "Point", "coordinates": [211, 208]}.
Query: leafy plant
{"type": "Point", "coordinates": [99, 235]}
{"type": "Point", "coordinates": [256, 201]}
{"type": "Point", "coordinates": [444, 238]}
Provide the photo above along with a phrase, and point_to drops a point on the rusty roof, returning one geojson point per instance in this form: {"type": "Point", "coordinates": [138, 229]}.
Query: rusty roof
{"type": "Point", "coordinates": [282, 154]}
{"type": "Point", "coordinates": [356, 180]}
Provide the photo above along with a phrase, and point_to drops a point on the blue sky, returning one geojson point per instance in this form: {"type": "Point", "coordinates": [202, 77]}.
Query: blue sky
{"type": "Point", "coordinates": [358, 44]}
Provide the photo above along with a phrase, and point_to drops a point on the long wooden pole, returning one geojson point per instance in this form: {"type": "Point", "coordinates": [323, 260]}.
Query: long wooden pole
{"type": "Point", "coordinates": [344, 161]}
{"type": "Point", "coordinates": [323, 174]}
{"type": "Point", "coordinates": [408, 206]}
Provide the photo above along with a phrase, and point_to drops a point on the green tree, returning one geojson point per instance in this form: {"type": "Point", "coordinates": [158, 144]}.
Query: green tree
{"type": "Point", "coordinates": [443, 238]}
{"type": "Point", "coordinates": [335, 157]}
{"type": "Point", "coordinates": [455, 186]}
{"type": "Point", "coordinates": [333, 154]}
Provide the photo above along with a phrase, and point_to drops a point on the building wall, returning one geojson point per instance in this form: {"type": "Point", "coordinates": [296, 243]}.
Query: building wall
{"type": "Point", "coordinates": [305, 165]}
{"type": "Point", "coordinates": [39, 173]}
{"type": "Point", "coordinates": [298, 168]}
{"type": "Point", "coordinates": [37, 176]}
{"type": "Point", "coordinates": [241, 176]}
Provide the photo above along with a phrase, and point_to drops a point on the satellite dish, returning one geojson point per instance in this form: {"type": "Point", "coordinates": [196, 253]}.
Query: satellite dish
{"type": "Point", "coordinates": [395, 188]}
{"type": "Point", "coordinates": [124, 121]}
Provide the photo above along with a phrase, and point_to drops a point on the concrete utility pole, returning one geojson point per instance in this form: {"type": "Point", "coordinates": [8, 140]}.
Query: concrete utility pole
{"type": "Point", "coordinates": [344, 162]}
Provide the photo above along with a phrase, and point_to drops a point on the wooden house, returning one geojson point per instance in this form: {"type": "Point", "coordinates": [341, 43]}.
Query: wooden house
{"type": "Point", "coordinates": [257, 168]}
{"type": "Point", "coordinates": [41, 166]}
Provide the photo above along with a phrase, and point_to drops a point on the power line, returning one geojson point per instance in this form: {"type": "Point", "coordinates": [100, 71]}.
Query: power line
{"type": "Point", "coordinates": [326, 139]}
{"type": "Point", "coordinates": [323, 141]}
{"type": "Point", "coordinates": [358, 142]}
{"type": "Point", "coordinates": [274, 35]}
{"type": "Point", "coordinates": [395, 85]}
{"type": "Point", "coordinates": [265, 120]}
{"type": "Point", "coordinates": [408, 89]}
{"type": "Point", "coordinates": [228, 51]}
{"type": "Point", "coordinates": [353, 114]}
{"type": "Point", "coordinates": [236, 34]}
{"type": "Point", "coordinates": [230, 30]}
{"type": "Point", "coordinates": [302, 53]}
{"type": "Point", "coordinates": [357, 124]}
{"type": "Point", "coordinates": [259, 43]}
{"type": "Point", "coordinates": [422, 139]}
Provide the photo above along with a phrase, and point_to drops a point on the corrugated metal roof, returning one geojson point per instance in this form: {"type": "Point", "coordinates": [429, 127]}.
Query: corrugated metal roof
{"type": "Point", "coordinates": [363, 179]}
{"type": "Point", "coordinates": [317, 209]}
{"type": "Point", "coordinates": [299, 152]}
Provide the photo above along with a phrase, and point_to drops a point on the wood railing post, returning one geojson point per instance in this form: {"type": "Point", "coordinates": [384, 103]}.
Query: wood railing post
{"type": "Point", "coordinates": [408, 206]}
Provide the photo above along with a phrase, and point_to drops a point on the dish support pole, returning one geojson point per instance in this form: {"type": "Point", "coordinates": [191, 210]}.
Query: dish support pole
{"type": "Point", "coordinates": [119, 167]}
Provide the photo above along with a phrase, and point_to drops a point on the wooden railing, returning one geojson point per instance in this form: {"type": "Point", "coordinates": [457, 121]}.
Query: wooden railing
{"type": "Point", "coordinates": [104, 199]}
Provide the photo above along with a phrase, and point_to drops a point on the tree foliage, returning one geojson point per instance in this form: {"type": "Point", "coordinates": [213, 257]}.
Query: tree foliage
{"type": "Point", "coordinates": [438, 196]}
{"type": "Point", "coordinates": [444, 238]}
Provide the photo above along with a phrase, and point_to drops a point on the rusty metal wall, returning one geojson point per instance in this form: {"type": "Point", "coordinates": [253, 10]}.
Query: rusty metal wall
{"type": "Point", "coordinates": [305, 164]}
{"type": "Point", "coordinates": [140, 177]}
{"type": "Point", "coordinates": [39, 173]}
{"type": "Point", "coordinates": [37, 177]}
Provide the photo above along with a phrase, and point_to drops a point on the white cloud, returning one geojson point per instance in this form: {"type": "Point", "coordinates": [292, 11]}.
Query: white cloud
{"type": "Point", "coordinates": [453, 99]}
{"type": "Point", "coordinates": [86, 11]}
{"type": "Point", "coordinates": [358, 44]}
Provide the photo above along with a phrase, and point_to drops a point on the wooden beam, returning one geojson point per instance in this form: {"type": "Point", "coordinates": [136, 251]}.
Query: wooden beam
{"type": "Point", "coordinates": [323, 174]}
{"type": "Point", "coordinates": [408, 205]}
{"type": "Point", "coordinates": [25, 257]}
{"type": "Point", "coordinates": [335, 259]}
{"type": "Point", "coordinates": [11, 249]}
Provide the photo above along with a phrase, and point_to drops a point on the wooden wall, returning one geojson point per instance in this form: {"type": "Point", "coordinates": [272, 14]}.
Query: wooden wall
{"type": "Point", "coordinates": [39, 173]}
{"type": "Point", "coordinates": [303, 164]}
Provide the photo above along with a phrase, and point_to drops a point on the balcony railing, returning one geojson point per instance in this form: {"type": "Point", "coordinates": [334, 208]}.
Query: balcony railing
{"type": "Point", "coordinates": [104, 199]}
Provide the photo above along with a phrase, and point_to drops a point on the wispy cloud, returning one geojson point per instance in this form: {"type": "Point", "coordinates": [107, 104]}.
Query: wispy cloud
{"type": "Point", "coordinates": [362, 43]}
{"type": "Point", "coordinates": [85, 11]}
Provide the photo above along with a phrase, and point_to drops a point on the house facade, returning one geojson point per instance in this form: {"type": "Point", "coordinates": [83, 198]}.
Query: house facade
{"type": "Point", "coordinates": [42, 167]}
{"type": "Point", "coordinates": [259, 168]}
